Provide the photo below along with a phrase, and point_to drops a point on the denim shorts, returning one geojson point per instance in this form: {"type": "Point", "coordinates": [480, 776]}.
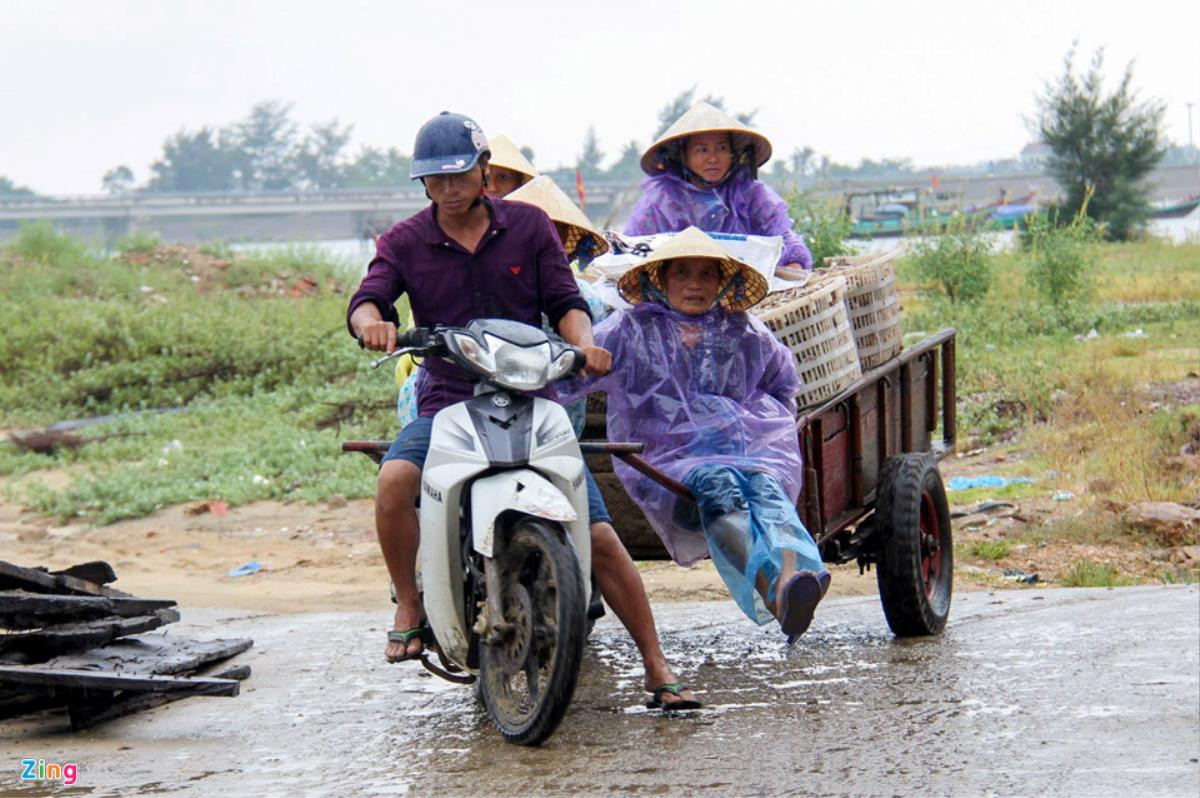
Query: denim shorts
{"type": "Point", "coordinates": [412, 444]}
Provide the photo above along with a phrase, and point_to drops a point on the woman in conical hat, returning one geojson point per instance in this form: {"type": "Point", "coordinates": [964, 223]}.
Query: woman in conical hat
{"type": "Point", "coordinates": [508, 168]}
{"type": "Point", "coordinates": [580, 238]}
{"type": "Point", "coordinates": [710, 391]}
{"type": "Point", "coordinates": [702, 171]}
{"type": "Point", "coordinates": [582, 241]}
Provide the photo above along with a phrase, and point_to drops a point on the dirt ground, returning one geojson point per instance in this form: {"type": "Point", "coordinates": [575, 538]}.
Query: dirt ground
{"type": "Point", "coordinates": [324, 558]}
{"type": "Point", "coordinates": [314, 557]}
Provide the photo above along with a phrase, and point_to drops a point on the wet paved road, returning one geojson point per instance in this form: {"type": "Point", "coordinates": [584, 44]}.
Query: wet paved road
{"type": "Point", "coordinates": [1059, 692]}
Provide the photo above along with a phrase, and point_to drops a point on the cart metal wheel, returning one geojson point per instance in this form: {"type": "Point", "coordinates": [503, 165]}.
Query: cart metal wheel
{"type": "Point", "coordinates": [915, 548]}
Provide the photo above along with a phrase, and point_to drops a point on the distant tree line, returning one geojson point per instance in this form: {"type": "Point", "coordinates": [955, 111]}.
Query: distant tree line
{"type": "Point", "coordinates": [266, 151]}
{"type": "Point", "coordinates": [1102, 146]}
{"type": "Point", "coordinates": [10, 189]}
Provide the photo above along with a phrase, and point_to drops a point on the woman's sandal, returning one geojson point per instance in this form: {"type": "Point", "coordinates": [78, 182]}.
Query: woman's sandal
{"type": "Point", "coordinates": [675, 689]}
{"type": "Point", "coordinates": [799, 599]}
{"type": "Point", "coordinates": [798, 602]}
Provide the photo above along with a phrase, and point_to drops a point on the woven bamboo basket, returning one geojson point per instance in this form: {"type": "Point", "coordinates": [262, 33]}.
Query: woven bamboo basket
{"type": "Point", "coordinates": [813, 323]}
{"type": "Point", "coordinates": [872, 303]}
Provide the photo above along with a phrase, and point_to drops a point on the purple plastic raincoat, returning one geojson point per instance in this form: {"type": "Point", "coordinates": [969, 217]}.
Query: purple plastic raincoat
{"type": "Point", "coordinates": [697, 390]}
{"type": "Point", "coordinates": [739, 205]}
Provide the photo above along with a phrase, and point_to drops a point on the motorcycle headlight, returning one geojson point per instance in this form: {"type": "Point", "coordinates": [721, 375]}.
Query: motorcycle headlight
{"type": "Point", "coordinates": [561, 365]}
{"type": "Point", "coordinates": [523, 368]}
{"type": "Point", "coordinates": [473, 351]}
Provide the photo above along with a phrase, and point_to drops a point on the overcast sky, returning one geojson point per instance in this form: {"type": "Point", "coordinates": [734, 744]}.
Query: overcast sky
{"type": "Point", "coordinates": [85, 86]}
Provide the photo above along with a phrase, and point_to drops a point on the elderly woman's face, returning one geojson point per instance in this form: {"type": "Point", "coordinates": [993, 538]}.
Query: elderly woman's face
{"type": "Point", "coordinates": [709, 155]}
{"type": "Point", "coordinates": [692, 284]}
{"type": "Point", "coordinates": [502, 182]}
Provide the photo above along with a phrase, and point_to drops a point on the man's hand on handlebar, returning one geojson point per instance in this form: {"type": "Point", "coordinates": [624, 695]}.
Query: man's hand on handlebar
{"type": "Point", "coordinates": [379, 336]}
{"type": "Point", "coordinates": [598, 361]}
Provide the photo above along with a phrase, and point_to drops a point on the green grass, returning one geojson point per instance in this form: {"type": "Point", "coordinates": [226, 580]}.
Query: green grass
{"type": "Point", "coordinates": [1087, 573]}
{"type": "Point", "coordinates": [238, 449]}
{"type": "Point", "coordinates": [267, 384]}
{"type": "Point", "coordinates": [1178, 575]}
{"type": "Point", "coordinates": [42, 244]}
{"type": "Point", "coordinates": [1015, 491]}
{"type": "Point", "coordinates": [989, 549]}
{"type": "Point", "coordinates": [1015, 355]}
{"type": "Point", "coordinates": [138, 241]}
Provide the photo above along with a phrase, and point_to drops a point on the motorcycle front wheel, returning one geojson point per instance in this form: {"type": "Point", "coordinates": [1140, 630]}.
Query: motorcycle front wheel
{"type": "Point", "coordinates": [528, 675]}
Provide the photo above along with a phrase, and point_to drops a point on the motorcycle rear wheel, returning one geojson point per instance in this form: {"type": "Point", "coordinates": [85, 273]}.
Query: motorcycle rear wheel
{"type": "Point", "coordinates": [527, 679]}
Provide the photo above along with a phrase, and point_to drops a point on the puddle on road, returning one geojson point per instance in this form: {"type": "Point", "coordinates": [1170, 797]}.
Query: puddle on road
{"type": "Point", "coordinates": [849, 709]}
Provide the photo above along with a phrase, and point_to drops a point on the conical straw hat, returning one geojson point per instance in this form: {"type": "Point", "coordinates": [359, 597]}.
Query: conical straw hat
{"type": "Point", "coordinates": [545, 194]}
{"type": "Point", "coordinates": [705, 118]}
{"type": "Point", "coordinates": [506, 154]}
{"type": "Point", "coordinates": [693, 243]}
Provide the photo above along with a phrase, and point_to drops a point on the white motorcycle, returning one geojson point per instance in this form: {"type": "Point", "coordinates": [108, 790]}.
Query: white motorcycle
{"type": "Point", "coordinates": [505, 546]}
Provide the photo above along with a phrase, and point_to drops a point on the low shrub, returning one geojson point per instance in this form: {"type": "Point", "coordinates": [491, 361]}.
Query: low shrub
{"type": "Point", "coordinates": [41, 243]}
{"type": "Point", "coordinates": [1062, 257]}
{"type": "Point", "coordinates": [956, 265]}
{"type": "Point", "coordinates": [1088, 573]}
{"type": "Point", "coordinates": [825, 224]}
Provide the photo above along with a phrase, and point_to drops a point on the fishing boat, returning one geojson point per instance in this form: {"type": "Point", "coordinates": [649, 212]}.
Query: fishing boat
{"type": "Point", "coordinates": [1176, 210]}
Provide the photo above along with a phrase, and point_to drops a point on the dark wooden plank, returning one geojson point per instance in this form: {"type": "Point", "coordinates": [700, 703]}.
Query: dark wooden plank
{"type": "Point", "coordinates": [834, 461]}
{"type": "Point", "coordinates": [13, 705]}
{"type": "Point", "coordinates": [918, 423]}
{"type": "Point", "coordinates": [96, 571]}
{"type": "Point", "coordinates": [83, 717]}
{"type": "Point", "coordinates": [20, 609]}
{"type": "Point", "coordinates": [64, 679]}
{"type": "Point", "coordinates": [14, 576]}
{"type": "Point", "coordinates": [949, 396]}
{"type": "Point", "coordinates": [153, 655]}
{"type": "Point", "coordinates": [156, 656]}
{"type": "Point", "coordinates": [50, 640]}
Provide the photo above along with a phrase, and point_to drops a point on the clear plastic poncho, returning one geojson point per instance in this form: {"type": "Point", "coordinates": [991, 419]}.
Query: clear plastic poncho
{"type": "Point", "coordinates": [740, 204]}
{"type": "Point", "coordinates": [697, 390]}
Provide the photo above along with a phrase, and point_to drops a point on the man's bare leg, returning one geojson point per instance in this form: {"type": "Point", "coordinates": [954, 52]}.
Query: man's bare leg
{"type": "Point", "coordinates": [399, 535]}
{"type": "Point", "coordinates": [622, 588]}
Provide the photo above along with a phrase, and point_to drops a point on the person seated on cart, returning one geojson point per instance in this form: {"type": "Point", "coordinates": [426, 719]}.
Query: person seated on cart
{"type": "Point", "coordinates": [508, 168]}
{"type": "Point", "coordinates": [702, 172]}
{"type": "Point", "coordinates": [710, 392]}
{"type": "Point", "coordinates": [465, 257]}
{"type": "Point", "coordinates": [582, 242]}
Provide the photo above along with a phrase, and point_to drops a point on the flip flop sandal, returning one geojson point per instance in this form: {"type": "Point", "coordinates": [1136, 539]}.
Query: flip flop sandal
{"type": "Point", "coordinates": [675, 689]}
{"type": "Point", "coordinates": [405, 636]}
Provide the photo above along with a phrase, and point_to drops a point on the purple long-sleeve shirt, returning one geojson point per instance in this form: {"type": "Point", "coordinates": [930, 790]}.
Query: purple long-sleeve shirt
{"type": "Point", "coordinates": [519, 271]}
{"type": "Point", "coordinates": [741, 204]}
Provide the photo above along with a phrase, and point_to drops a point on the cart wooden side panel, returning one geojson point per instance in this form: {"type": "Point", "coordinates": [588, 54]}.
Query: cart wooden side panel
{"type": "Point", "coordinates": [893, 409]}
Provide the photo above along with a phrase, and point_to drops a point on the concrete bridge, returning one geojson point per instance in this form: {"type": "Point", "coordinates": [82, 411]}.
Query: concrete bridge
{"type": "Point", "coordinates": [263, 216]}
{"type": "Point", "coordinates": [304, 216]}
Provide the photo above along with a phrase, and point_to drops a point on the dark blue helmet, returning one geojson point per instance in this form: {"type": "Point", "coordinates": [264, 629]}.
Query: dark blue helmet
{"type": "Point", "coordinates": [448, 144]}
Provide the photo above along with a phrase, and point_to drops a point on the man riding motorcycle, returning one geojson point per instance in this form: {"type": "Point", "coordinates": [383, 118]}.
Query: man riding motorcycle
{"type": "Point", "coordinates": [466, 257]}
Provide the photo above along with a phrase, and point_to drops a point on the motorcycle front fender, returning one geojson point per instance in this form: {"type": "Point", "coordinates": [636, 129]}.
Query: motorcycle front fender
{"type": "Point", "coordinates": [522, 490]}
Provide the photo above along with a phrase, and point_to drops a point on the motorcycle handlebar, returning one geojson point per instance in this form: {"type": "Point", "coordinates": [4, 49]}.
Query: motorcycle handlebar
{"type": "Point", "coordinates": [580, 360]}
{"type": "Point", "coordinates": [416, 338]}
